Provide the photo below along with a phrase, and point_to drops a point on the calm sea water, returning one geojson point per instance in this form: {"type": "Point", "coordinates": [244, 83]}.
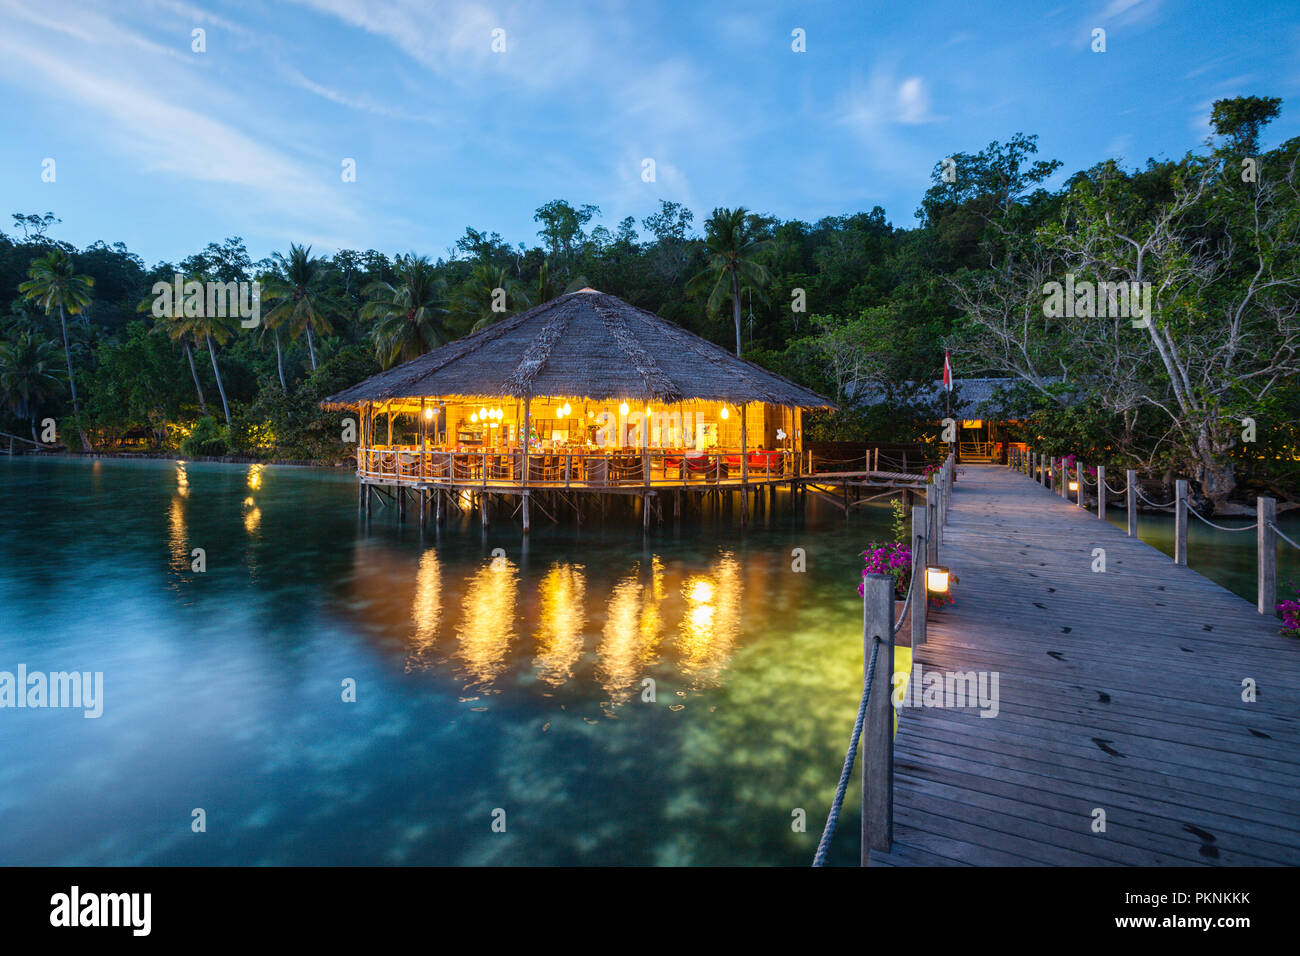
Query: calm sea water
{"type": "Point", "coordinates": [511, 683]}
{"type": "Point", "coordinates": [514, 687]}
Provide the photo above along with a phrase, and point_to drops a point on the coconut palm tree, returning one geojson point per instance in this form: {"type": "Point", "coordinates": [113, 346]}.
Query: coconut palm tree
{"type": "Point", "coordinates": [300, 299]}
{"type": "Point", "coordinates": [29, 375]}
{"type": "Point", "coordinates": [487, 286]}
{"type": "Point", "coordinates": [53, 284]}
{"type": "Point", "coordinates": [177, 327]}
{"type": "Point", "coordinates": [408, 316]}
{"type": "Point", "coordinates": [732, 242]}
{"type": "Point", "coordinates": [215, 330]}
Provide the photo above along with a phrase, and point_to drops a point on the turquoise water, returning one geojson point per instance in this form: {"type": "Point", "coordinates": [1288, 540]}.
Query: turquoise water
{"type": "Point", "coordinates": [478, 688]}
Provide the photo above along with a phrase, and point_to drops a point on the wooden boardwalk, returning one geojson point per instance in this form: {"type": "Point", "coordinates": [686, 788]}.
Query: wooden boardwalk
{"type": "Point", "coordinates": [1119, 691]}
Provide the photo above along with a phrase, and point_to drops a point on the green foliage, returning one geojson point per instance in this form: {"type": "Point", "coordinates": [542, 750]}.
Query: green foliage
{"type": "Point", "coordinates": [208, 439]}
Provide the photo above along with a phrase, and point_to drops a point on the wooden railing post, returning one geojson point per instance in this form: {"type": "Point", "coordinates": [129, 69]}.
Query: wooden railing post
{"type": "Point", "coordinates": [1180, 522]}
{"type": "Point", "coordinates": [878, 727]}
{"type": "Point", "coordinates": [1078, 484]}
{"type": "Point", "coordinates": [1266, 544]}
{"type": "Point", "coordinates": [919, 601]}
{"type": "Point", "coordinates": [1131, 480]}
{"type": "Point", "coordinates": [1065, 480]}
{"type": "Point", "coordinates": [1101, 492]}
{"type": "Point", "coordinates": [931, 525]}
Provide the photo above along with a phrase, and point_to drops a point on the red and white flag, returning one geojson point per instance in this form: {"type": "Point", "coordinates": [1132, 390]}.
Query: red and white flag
{"type": "Point", "coordinates": [947, 372]}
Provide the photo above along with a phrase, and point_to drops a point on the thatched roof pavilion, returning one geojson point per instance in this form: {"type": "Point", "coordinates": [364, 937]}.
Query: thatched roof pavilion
{"type": "Point", "coordinates": [585, 344]}
{"type": "Point", "coordinates": [582, 393]}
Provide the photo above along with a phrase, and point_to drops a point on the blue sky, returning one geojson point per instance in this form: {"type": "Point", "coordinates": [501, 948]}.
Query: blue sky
{"type": "Point", "coordinates": [167, 149]}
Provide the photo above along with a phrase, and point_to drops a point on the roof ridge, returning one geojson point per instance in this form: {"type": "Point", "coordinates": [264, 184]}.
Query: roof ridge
{"type": "Point", "coordinates": [642, 360]}
{"type": "Point", "coordinates": [538, 352]}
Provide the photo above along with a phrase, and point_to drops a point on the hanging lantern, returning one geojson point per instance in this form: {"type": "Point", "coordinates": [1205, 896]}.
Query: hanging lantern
{"type": "Point", "coordinates": [725, 413]}
{"type": "Point", "coordinates": [473, 418]}
{"type": "Point", "coordinates": [622, 409]}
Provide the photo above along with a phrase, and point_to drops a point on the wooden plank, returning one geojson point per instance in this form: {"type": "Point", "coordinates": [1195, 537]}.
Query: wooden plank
{"type": "Point", "coordinates": [1119, 690]}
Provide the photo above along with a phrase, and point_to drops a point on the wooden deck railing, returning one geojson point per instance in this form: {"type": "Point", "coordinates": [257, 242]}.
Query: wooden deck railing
{"type": "Point", "coordinates": [1053, 473]}
{"type": "Point", "coordinates": [573, 469]}
{"type": "Point", "coordinates": [877, 712]}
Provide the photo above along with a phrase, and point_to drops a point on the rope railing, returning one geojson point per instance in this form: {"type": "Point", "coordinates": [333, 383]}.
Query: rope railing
{"type": "Point", "coordinates": [1278, 531]}
{"type": "Point", "coordinates": [911, 587]}
{"type": "Point", "coordinates": [1051, 471]}
{"type": "Point", "coordinates": [1152, 503]}
{"type": "Point", "coordinates": [876, 719]}
{"type": "Point", "coordinates": [833, 818]}
{"type": "Point", "coordinates": [1250, 527]}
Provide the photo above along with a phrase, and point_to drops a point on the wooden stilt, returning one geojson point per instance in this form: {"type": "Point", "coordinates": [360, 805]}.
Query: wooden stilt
{"type": "Point", "coordinates": [527, 512]}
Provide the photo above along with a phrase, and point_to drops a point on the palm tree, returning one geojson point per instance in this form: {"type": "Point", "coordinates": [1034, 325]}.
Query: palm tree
{"type": "Point", "coordinates": [475, 300]}
{"type": "Point", "coordinates": [215, 329]}
{"type": "Point", "coordinates": [52, 284]}
{"type": "Point", "coordinates": [731, 242]}
{"type": "Point", "coordinates": [29, 375]}
{"type": "Point", "coordinates": [407, 315]}
{"type": "Point", "coordinates": [179, 328]}
{"type": "Point", "coordinates": [300, 301]}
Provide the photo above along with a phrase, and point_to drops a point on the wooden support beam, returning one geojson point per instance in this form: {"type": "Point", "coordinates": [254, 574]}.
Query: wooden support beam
{"type": "Point", "coordinates": [1180, 521]}
{"type": "Point", "coordinates": [878, 728]}
{"type": "Point", "coordinates": [1266, 554]}
{"type": "Point", "coordinates": [1131, 504]}
{"type": "Point", "coordinates": [1101, 492]}
{"type": "Point", "coordinates": [920, 601]}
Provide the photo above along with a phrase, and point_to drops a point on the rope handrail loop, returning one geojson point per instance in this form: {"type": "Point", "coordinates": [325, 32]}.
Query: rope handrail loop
{"type": "Point", "coordinates": [1278, 531]}
{"type": "Point", "coordinates": [1138, 488]}
{"type": "Point", "coordinates": [911, 587]}
{"type": "Point", "coordinates": [1250, 527]}
{"type": "Point", "coordinates": [1116, 491]}
{"type": "Point", "coordinates": [833, 818]}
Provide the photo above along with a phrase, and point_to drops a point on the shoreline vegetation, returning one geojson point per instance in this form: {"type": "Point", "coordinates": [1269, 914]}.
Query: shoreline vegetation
{"type": "Point", "coordinates": [1011, 276]}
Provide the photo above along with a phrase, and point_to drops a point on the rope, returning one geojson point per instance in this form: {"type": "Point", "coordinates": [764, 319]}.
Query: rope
{"type": "Point", "coordinates": [1152, 503]}
{"type": "Point", "coordinates": [1250, 527]}
{"type": "Point", "coordinates": [1278, 531]}
{"type": "Point", "coordinates": [911, 587]}
{"type": "Point", "coordinates": [833, 818]}
{"type": "Point", "coordinates": [1116, 491]}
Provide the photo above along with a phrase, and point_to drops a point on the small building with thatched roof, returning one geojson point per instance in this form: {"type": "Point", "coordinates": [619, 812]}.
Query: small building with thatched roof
{"type": "Point", "coordinates": [582, 392]}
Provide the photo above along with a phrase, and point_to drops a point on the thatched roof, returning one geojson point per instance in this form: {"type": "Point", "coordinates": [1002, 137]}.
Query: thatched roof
{"type": "Point", "coordinates": [585, 344]}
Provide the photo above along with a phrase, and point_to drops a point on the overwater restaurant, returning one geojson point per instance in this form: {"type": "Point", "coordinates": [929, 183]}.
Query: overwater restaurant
{"type": "Point", "coordinates": [584, 392]}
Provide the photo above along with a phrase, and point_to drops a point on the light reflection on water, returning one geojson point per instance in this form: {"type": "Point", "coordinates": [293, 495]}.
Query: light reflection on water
{"type": "Point", "coordinates": [519, 686]}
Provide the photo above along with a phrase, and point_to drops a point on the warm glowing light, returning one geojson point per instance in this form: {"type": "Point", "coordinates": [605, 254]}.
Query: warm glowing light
{"type": "Point", "coordinates": [482, 413]}
{"type": "Point", "coordinates": [701, 591]}
{"type": "Point", "coordinates": [622, 409]}
{"type": "Point", "coordinates": [560, 620]}
{"type": "Point", "coordinates": [428, 413]}
{"type": "Point", "coordinates": [936, 579]}
{"type": "Point", "coordinates": [255, 476]}
{"type": "Point", "coordinates": [1074, 486]}
{"type": "Point", "coordinates": [473, 418]}
{"type": "Point", "coordinates": [500, 414]}
{"type": "Point", "coordinates": [566, 410]}
{"type": "Point", "coordinates": [725, 413]}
